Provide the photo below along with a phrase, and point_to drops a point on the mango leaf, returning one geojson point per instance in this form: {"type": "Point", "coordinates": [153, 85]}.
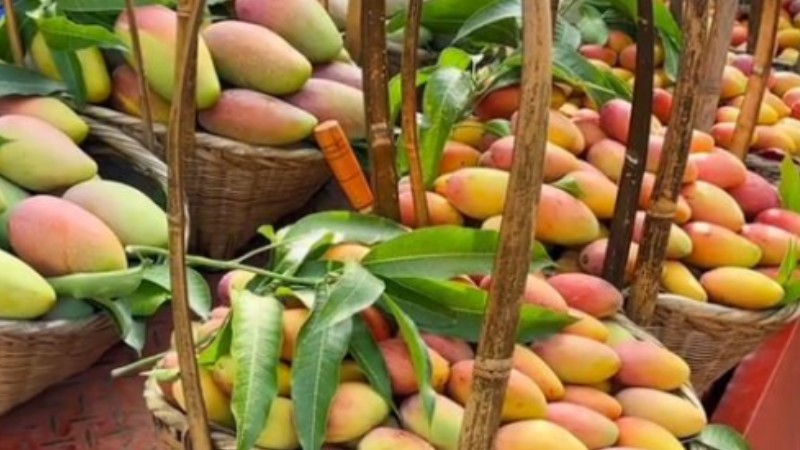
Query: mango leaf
{"type": "Point", "coordinates": [21, 81]}
{"type": "Point", "coordinates": [456, 58]}
{"type": "Point", "coordinates": [567, 34]}
{"type": "Point", "coordinates": [255, 348]}
{"type": "Point", "coordinates": [498, 127]}
{"type": "Point", "coordinates": [70, 70]}
{"type": "Point", "coordinates": [508, 13]}
{"type": "Point", "coordinates": [440, 252]}
{"type": "Point", "coordinates": [447, 16]}
{"type": "Point", "coordinates": [197, 287]}
{"type": "Point", "coordinates": [69, 309]}
{"type": "Point", "coordinates": [106, 5]}
{"type": "Point", "coordinates": [593, 28]}
{"type": "Point", "coordinates": [354, 292]}
{"type": "Point", "coordinates": [104, 284]}
{"type": "Point", "coordinates": [315, 376]}
{"type": "Point", "coordinates": [147, 299]}
{"type": "Point", "coordinates": [219, 346]}
{"type": "Point", "coordinates": [791, 292]}
{"type": "Point", "coordinates": [789, 186]}
{"type": "Point", "coordinates": [370, 359]}
{"type": "Point", "coordinates": [296, 253]}
{"type": "Point", "coordinates": [120, 312]}
{"type": "Point", "coordinates": [420, 358]}
{"type": "Point", "coordinates": [345, 226]}
{"type": "Point", "coordinates": [572, 67]}
{"type": "Point", "coordinates": [788, 264]}
{"type": "Point", "coordinates": [721, 437]}
{"type": "Point", "coordinates": [137, 336]}
{"type": "Point", "coordinates": [62, 34]}
{"type": "Point", "coordinates": [570, 186]}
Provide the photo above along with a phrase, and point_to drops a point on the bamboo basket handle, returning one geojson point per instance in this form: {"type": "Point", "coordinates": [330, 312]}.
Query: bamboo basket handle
{"type": "Point", "coordinates": [13, 31]}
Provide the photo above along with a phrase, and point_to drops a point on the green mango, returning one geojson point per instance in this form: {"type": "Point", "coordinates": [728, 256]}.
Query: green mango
{"type": "Point", "coordinates": [12, 195]}
{"type": "Point", "coordinates": [24, 294]}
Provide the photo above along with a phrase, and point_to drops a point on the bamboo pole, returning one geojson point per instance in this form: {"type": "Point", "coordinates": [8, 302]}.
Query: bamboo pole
{"type": "Point", "coordinates": [754, 24]}
{"type": "Point", "coordinates": [493, 361]}
{"type": "Point", "coordinates": [641, 305]}
{"type": "Point", "coordinates": [376, 98]}
{"type": "Point", "coordinates": [757, 82]}
{"type": "Point", "coordinates": [409, 80]}
{"type": "Point", "coordinates": [719, 42]}
{"type": "Point", "coordinates": [14, 36]}
{"type": "Point", "coordinates": [636, 156]}
{"type": "Point", "coordinates": [353, 35]}
{"type": "Point", "coordinates": [180, 140]}
{"type": "Point", "coordinates": [144, 104]}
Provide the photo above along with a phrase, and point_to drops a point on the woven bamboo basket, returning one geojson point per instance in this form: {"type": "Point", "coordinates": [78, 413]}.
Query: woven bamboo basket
{"type": "Point", "coordinates": [35, 355]}
{"type": "Point", "coordinates": [768, 165]}
{"type": "Point", "coordinates": [172, 426]}
{"type": "Point", "coordinates": [233, 188]}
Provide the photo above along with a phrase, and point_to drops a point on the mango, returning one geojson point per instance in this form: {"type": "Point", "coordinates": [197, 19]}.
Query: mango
{"type": "Point", "coordinates": [678, 245]}
{"type": "Point", "coordinates": [615, 117]}
{"type": "Point", "coordinates": [356, 409]}
{"type": "Point", "coordinates": [723, 134]}
{"type": "Point", "coordinates": [617, 334]}
{"type": "Point", "coordinates": [618, 40]}
{"type": "Point", "coordinates": [234, 280]}
{"type": "Point", "coordinates": [773, 137]}
{"type": "Point", "coordinates": [344, 73]}
{"type": "Point", "coordinates": [377, 324]}
{"type": "Point", "coordinates": [530, 434]}
{"type": "Point", "coordinates": [734, 83]}
{"type": "Point", "coordinates": [451, 349]}
{"type": "Point", "coordinates": [594, 190]}
{"type": "Point", "coordinates": [385, 438]}
{"type": "Point", "coordinates": [476, 192]}
{"type": "Point", "coordinates": [788, 38]}
{"type": "Point", "coordinates": [126, 96]}
{"type": "Point", "coordinates": [777, 104]}
{"type": "Point", "coordinates": [35, 149]}
{"type": "Point", "coordinates": [590, 129]}
{"type": "Point", "coordinates": [469, 132]}
{"type": "Point", "coordinates": [784, 81]}
{"type": "Point", "coordinates": [774, 242]}
{"type": "Point", "coordinates": [727, 114]}
{"type": "Point", "coordinates": [662, 105]}
{"type": "Point", "coordinates": [12, 195]}
{"type": "Point", "coordinates": [713, 205]}
{"type": "Point", "coordinates": [674, 413]}
{"type": "Point", "coordinates": [557, 208]}
{"type": "Point", "coordinates": [648, 365]}
{"type": "Point", "coordinates": [257, 119]}
{"type": "Point", "coordinates": [568, 262]}
{"type": "Point", "coordinates": [595, 51]}
{"type": "Point", "coordinates": [590, 294]}
{"type": "Point", "coordinates": [593, 258]}
{"type": "Point", "coordinates": [790, 127]}
{"type": "Point", "coordinates": [243, 52]}
{"type": "Point", "coordinates": [529, 364]}
{"type": "Point", "coordinates": [96, 81]}
{"type": "Point", "coordinates": [565, 134]}
{"type": "Point", "coordinates": [595, 430]}
{"type": "Point", "coordinates": [218, 405]}
{"type": "Point", "coordinates": [643, 434]}
{"type": "Point", "coordinates": [586, 326]}
{"type": "Point", "coordinates": [24, 294]}
{"type": "Point", "coordinates": [499, 104]}
{"type": "Point", "coordinates": [329, 100]}
{"type": "Point", "coordinates": [302, 23]}
{"type": "Point", "coordinates": [578, 360]}
{"type": "Point", "coordinates": [781, 218]}
{"type": "Point", "coordinates": [133, 217]}
{"type": "Point", "coordinates": [350, 371]}
{"type": "Point", "coordinates": [293, 320]}
{"type": "Point", "coordinates": [457, 155]}
{"type": "Point", "coordinates": [557, 161]}
{"type": "Point", "coordinates": [537, 292]}
{"type": "Point", "coordinates": [756, 195]}
{"type": "Point", "coordinates": [224, 374]}
{"type": "Point", "coordinates": [742, 288]}
{"type": "Point", "coordinates": [593, 399]}
{"type": "Point", "coordinates": [401, 370]}
{"type": "Point", "coordinates": [440, 211]}
{"type": "Point", "coordinates": [523, 398]}
{"type": "Point", "coordinates": [676, 278]}
{"type": "Point", "coordinates": [715, 246]}
{"type": "Point", "coordinates": [654, 151]}
{"type": "Point", "coordinates": [608, 156]}
{"type": "Point", "coordinates": [280, 432]}
{"type": "Point", "coordinates": [720, 168]}
{"type": "Point", "coordinates": [50, 110]}
{"type": "Point", "coordinates": [346, 252]}
{"type": "Point", "coordinates": [158, 33]}
{"type": "Point", "coordinates": [443, 431]}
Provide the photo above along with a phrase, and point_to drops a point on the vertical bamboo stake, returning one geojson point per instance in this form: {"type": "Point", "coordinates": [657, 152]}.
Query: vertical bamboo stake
{"type": "Point", "coordinates": [144, 104]}
{"type": "Point", "coordinates": [716, 52]}
{"type": "Point", "coordinates": [376, 98]}
{"type": "Point", "coordinates": [757, 83]}
{"type": "Point", "coordinates": [493, 362]}
{"type": "Point", "coordinates": [409, 78]}
{"type": "Point", "coordinates": [181, 139]}
{"type": "Point", "coordinates": [754, 24]}
{"type": "Point", "coordinates": [636, 155]}
{"type": "Point", "coordinates": [657, 225]}
{"type": "Point", "coordinates": [14, 36]}
{"type": "Point", "coordinates": [353, 33]}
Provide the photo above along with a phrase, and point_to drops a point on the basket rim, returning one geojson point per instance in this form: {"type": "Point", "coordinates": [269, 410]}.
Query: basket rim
{"type": "Point", "coordinates": [34, 326]}
{"type": "Point", "coordinates": [675, 302]}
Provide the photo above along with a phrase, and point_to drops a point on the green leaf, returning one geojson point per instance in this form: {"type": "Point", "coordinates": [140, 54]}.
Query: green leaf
{"type": "Point", "coordinates": [62, 34]}
{"type": "Point", "coordinates": [420, 359]}
{"type": "Point", "coordinates": [722, 437]}
{"type": "Point", "coordinates": [788, 264]}
{"type": "Point", "coordinates": [567, 34]}
{"type": "Point", "coordinates": [120, 312]}
{"type": "Point", "coordinates": [255, 348]}
{"type": "Point", "coordinates": [70, 70]}
{"type": "Point", "coordinates": [505, 12]}
{"type": "Point", "coordinates": [789, 186]}
{"type": "Point", "coordinates": [355, 291]}
{"type": "Point", "coordinates": [197, 287]}
{"type": "Point", "coordinates": [103, 284]}
{"type": "Point", "coordinates": [219, 346]}
{"type": "Point", "coordinates": [370, 359]}
{"type": "Point", "coordinates": [498, 127]}
{"type": "Point", "coordinates": [137, 336]}
{"type": "Point", "coordinates": [447, 16]}
{"type": "Point", "coordinates": [572, 67]}
{"type": "Point", "coordinates": [791, 292]}
{"type": "Point", "coordinates": [570, 186]}
{"type": "Point", "coordinates": [147, 299]}
{"type": "Point", "coordinates": [396, 91]}
{"type": "Point", "coordinates": [106, 5]}
{"type": "Point", "coordinates": [69, 309]}
{"type": "Point", "coordinates": [456, 58]}
{"type": "Point", "coordinates": [592, 27]}
{"type": "Point", "coordinates": [21, 81]}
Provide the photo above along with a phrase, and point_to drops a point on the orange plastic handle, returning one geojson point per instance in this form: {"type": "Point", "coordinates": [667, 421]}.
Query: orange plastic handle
{"type": "Point", "coordinates": [344, 165]}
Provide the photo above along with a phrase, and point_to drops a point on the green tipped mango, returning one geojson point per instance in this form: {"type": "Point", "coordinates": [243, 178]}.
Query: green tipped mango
{"type": "Point", "coordinates": [93, 67]}
{"type": "Point", "coordinates": [38, 157]}
{"type": "Point", "coordinates": [24, 294]}
{"type": "Point", "coordinates": [253, 57]}
{"type": "Point", "coordinates": [158, 31]}
{"type": "Point", "coordinates": [50, 110]}
{"type": "Point", "coordinates": [133, 217]}
{"type": "Point", "coordinates": [12, 195]}
{"type": "Point", "coordinates": [304, 23]}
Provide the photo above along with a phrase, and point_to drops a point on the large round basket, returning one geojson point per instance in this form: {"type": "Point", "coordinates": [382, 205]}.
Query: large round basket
{"type": "Point", "coordinates": [35, 355]}
{"type": "Point", "coordinates": [234, 188]}
{"type": "Point", "coordinates": [172, 425]}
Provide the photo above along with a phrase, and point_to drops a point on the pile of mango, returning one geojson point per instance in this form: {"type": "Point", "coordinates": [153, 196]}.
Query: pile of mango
{"type": "Point", "coordinates": [788, 39]}
{"type": "Point", "coordinates": [592, 386]}
{"type": "Point", "coordinates": [57, 217]}
{"type": "Point", "coordinates": [266, 78]}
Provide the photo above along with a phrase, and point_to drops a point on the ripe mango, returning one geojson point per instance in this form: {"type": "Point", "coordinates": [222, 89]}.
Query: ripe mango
{"type": "Point", "coordinates": [714, 246]}
{"type": "Point", "coordinates": [655, 149]}
{"type": "Point", "coordinates": [578, 360]}
{"type": "Point", "coordinates": [126, 96]}
{"type": "Point", "coordinates": [590, 294]}
{"type": "Point", "coordinates": [257, 119]}
{"type": "Point", "coordinates": [96, 81]}
{"type": "Point", "coordinates": [593, 399]}
{"type": "Point", "coordinates": [346, 252]}
{"type": "Point", "coordinates": [713, 205]}
{"type": "Point", "coordinates": [590, 128]}
{"type": "Point", "coordinates": [720, 168]}
{"type": "Point", "coordinates": [443, 431]}
{"type": "Point", "coordinates": [678, 246]}
{"type": "Point", "coordinates": [440, 211]}
{"type": "Point", "coordinates": [329, 100]}
{"type": "Point", "coordinates": [385, 438]}
{"type": "Point", "coordinates": [781, 218]}
{"type": "Point", "coordinates": [568, 262]}
{"type": "Point", "coordinates": [791, 127]}
{"type": "Point", "coordinates": [615, 118]}
{"type": "Point", "coordinates": [24, 294]}
{"type": "Point", "coordinates": [594, 190]}
{"type": "Point", "coordinates": [617, 334]}
{"type": "Point", "coordinates": [557, 208]}
{"type": "Point", "coordinates": [734, 83]}
{"type": "Point", "coordinates": [678, 279]}
{"type": "Point", "coordinates": [350, 371]}
{"type": "Point", "coordinates": [133, 217]}
{"type": "Point", "coordinates": [593, 258]}
{"type": "Point", "coordinates": [501, 103]}
{"type": "Point", "coordinates": [565, 134]}
{"type": "Point", "coordinates": [476, 192]}
{"type": "Point", "coordinates": [50, 110]}
{"type": "Point", "coordinates": [341, 72]}
{"type": "Point", "coordinates": [648, 365]}
{"type": "Point", "coordinates": [773, 137]}
{"type": "Point", "coordinates": [158, 33]}
{"type": "Point", "coordinates": [218, 405]}
{"type": "Point", "coordinates": [535, 434]}
{"type": "Point", "coordinates": [451, 349]}
{"type": "Point", "coordinates": [293, 320]}
{"type": "Point", "coordinates": [774, 242]}
{"type": "Point", "coordinates": [674, 413]}
{"type": "Point", "coordinates": [12, 195]}
{"type": "Point", "coordinates": [557, 161]}
{"type": "Point", "coordinates": [595, 430]}
{"type": "Point", "coordinates": [39, 157]}
{"type": "Point", "coordinates": [537, 292]}
{"type": "Point", "coordinates": [723, 134]}
{"type": "Point", "coordinates": [401, 370]}
{"type": "Point", "coordinates": [457, 155]}
{"type": "Point", "coordinates": [303, 23]}
{"type": "Point", "coordinates": [755, 195]}
{"type": "Point", "coordinates": [224, 374]}
{"type": "Point", "coordinates": [742, 288]}
{"type": "Point", "coordinates": [529, 364]}
{"type": "Point", "coordinates": [244, 56]}
{"type": "Point", "coordinates": [58, 238]}
{"type": "Point", "coordinates": [643, 434]}
{"type": "Point", "coordinates": [785, 80]}
{"type": "Point", "coordinates": [586, 326]}
{"type": "Point", "coordinates": [279, 431]}
{"type": "Point", "coordinates": [608, 156]}
{"type": "Point", "coordinates": [356, 409]}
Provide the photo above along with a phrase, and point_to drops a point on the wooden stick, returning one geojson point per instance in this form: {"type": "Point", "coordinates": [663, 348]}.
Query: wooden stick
{"type": "Point", "coordinates": [716, 52]}
{"type": "Point", "coordinates": [493, 362]}
{"type": "Point", "coordinates": [754, 24]}
{"type": "Point", "coordinates": [409, 81]}
{"type": "Point", "coordinates": [641, 305]}
{"type": "Point", "coordinates": [636, 156]}
{"type": "Point", "coordinates": [181, 139]}
{"type": "Point", "coordinates": [353, 34]}
{"type": "Point", "coordinates": [144, 104]}
{"type": "Point", "coordinates": [376, 98]}
{"type": "Point", "coordinates": [757, 82]}
{"type": "Point", "coordinates": [676, 7]}
{"type": "Point", "coordinates": [14, 36]}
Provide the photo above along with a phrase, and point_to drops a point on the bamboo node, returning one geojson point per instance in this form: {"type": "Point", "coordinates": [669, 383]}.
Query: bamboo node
{"type": "Point", "coordinates": [495, 369]}
{"type": "Point", "coordinates": [663, 208]}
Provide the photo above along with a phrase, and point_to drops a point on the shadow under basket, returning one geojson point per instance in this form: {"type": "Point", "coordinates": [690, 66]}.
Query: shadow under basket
{"type": "Point", "coordinates": [233, 188]}
{"type": "Point", "coordinates": [172, 425]}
